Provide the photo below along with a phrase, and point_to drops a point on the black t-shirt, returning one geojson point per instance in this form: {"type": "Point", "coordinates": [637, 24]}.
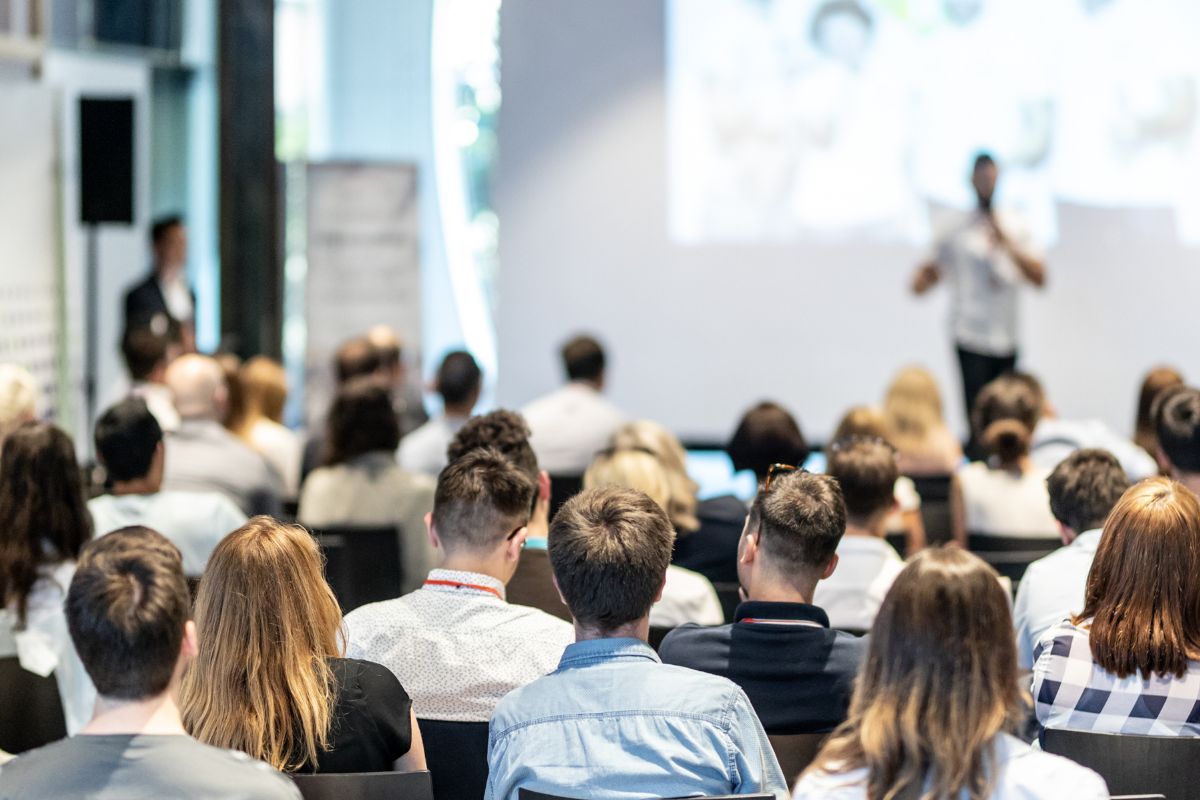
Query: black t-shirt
{"type": "Point", "coordinates": [371, 716]}
{"type": "Point", "coordinates": [712, 550]}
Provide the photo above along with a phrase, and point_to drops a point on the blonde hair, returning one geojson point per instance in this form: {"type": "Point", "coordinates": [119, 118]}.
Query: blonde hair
{"type": "Point", "coordinates": [630, 469]}
{"type": "Point", "coordinates": [863, 421]}
{"type": "Point", "coordinates": [19, 396]}
{"type": "Point", "coordinates": [267, 623]}
{"type": "Point", "coordinates": [912, 408]}
{"type": "Point", "coordinates": [264, 391]}
{"type": "Point", "coordinates": [667, 449]}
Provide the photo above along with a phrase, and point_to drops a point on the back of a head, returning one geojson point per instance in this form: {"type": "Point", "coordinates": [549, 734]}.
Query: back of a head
{"type": "Point", "coordinates": [610, 549]}
{"type": "Point", "coordinates": [939, 682]}
{"type": "Point", "coordinates": [767, 434]}
{"type": "Point", "coordinates": [1153, 384]}
{"type": "Point", "coordinates": [1142, 595]}
{"type": "Point", "coordinates": [198, 383]}
{"type": "Point", "coordinates": [144, 352]}
{"type": "Point", "coordinates": [263, 383]}
{"type": "Point", "coordinates": [866, 472]}
{"type": "Point", "coordinates": [459, 379]}
{"type": "Point", "coordinates": [361, 420]}
{"type": "Point", "coordinates": [631, 469]}
{"type": "Point", "coordinates": [1084, 487]}
{"type": "Point", "coordinates": [912, 406]}
{"type": "Point", "coordinates": [267, 622]}
{"type": "Point", "coordinates": [862, 421]}
{"type": "Point", "coordinates": [656, 439]}
{"type": "Point", "coordinates": [162, 226]}
{"type": "Point", "coordinates": [1177, 413]}
{"type": "Point", "coordinates": [583, 359]}
{"type": "Point", "coordinates": [481, 497]}
{"type": "Point", "coordinates": [502, 430]}
{"type": "Point", "coordinates": [1006, 412]}
{"type": "Point", "coordinates": [387, 344]}
{"type": "Point", "coordinates": [19, 395]}
{"type": "Point", "coordinates": [800, 518]}
{"type": "Point", "coordinates": [126, 610]}
{"type": "Point", "coordinates": [356, 358]}
{"type": "Point", "coordinates": [126, 437]}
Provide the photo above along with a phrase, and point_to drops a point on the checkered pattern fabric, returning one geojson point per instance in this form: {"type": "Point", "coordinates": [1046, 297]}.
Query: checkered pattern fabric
{"type": "Point", "coordinates": [1071, 691]}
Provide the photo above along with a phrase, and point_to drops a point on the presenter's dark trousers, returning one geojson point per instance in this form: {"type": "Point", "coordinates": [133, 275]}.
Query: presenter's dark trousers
{"type": "Point", "coordinates": [978, 370]}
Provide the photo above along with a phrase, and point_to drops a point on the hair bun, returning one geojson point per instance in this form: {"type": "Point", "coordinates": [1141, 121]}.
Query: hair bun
{"type": "Point", "coordinates": [1007, 439]}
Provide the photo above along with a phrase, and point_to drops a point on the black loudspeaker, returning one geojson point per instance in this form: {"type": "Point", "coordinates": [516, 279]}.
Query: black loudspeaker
{"type": "Point", "coordinates": [105, 160]}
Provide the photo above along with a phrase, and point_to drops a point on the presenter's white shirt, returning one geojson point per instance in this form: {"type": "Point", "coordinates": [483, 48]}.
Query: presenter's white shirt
{"type": "Point", "coordinates": [1050, 591]}
{"type": "Point", "coordinates": [1000, 502]}
{"type": "Point", "coordinates": [177, 295]}
{"type": "Point", "coordinates": [570, 425]}
{"type": "Point", "coordinates": [851, 596]}
{"type": "Point", "coordinates": [984, 280]}
{"type": "Point", "coordinates": [424, 450]}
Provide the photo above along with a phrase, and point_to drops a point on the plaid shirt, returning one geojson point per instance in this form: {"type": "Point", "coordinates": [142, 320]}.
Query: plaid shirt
{"type": "Point", "coordinates": [1073, 692]}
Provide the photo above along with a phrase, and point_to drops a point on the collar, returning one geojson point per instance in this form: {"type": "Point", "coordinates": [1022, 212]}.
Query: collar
{"type": "Point", "coordinates": [474, 584]}
{"type": "Point", "coordinates": [1088, 541]}
{"type": "Point", "coordinates": [536, 543]}
{"type": "Point", "coordinates": [597, 651]}
{"type": "Point", "coordinates": [780, 614]}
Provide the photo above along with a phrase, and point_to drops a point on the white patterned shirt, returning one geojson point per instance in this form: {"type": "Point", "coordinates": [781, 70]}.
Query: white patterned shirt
{"type": "Point", "coordinates": [456, 645]}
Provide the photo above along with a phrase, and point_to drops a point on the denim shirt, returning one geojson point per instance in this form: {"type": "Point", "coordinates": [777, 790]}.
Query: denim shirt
{"type": "Point", "coordinates": [615, 722]}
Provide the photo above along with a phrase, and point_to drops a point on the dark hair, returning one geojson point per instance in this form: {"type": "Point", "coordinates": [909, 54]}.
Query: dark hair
{"type": "Point", "coordinates": [43, 507]}
{"type": "Point", "coordinates": [126, 437]}
{"type": "Point", "coordinates": [1155, 382]}
{"type": "Point", "coordinates": [503, 430]}
{"type": "Point", "coordinates": [583, 358]}
{"type": "Point", "coordinates": [866, 472]}
{"type": "Point", "coordinates": [1006, 412]}
{"type": "Point", "coordinates": [1084, 487]}
{"type": "Point", "coordinates": [162, 226]}
{"type": "Point", "coordinates": [458, 378]}
{"type": "Point", "coordinates": [361, 420]}
{"type": "Point", "coordinates": [983, 159]}
{"type": "Point", "coordinates": [800, 520]}
{"type": "Point", "coordinates": [126, 610]}
{"type": "Point", "coordinates": [356, 358]}
{"type": "Point", "coordinates": [610, 548]}
{"type": "Point", "coordinates": [767, 434]}
{"type": "Point", "coordinates": [480, 497]}
{"type": "Point", "coordinates": [143, 351]}
{"type": "Point", "coordinates": [1178, 425]}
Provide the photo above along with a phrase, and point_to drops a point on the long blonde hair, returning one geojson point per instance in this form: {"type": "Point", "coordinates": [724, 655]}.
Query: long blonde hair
{"type": "Point", "coordinates": [938, 685]}
{"type": "Point", "coordinates": [263, 391]}
{"type": "Point", "coordinates": [657, 440]}
{"type": "Point", "coordinates": [267, 623]}
{"type": "Point", "coordinates": [630, 469]}
{"type": "Point", "coordinates": [913, 408]}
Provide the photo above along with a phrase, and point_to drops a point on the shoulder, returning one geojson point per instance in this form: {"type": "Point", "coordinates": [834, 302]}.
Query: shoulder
{"type": "Point", "coordinates": [684, 581]}
{"type": "Point", "coordinates": [544, 623]}
{"type": "Point", "coordinates": [364, 620]}
{"type": "Point", "coordinates": [1023, 767]}
{"type": "Point", "coordinates": [689, 645]}
{"type": "Point", "coordinates": [725, 508]}
{"type": "Point", "coordinates": [255, 777]}
{"type": "Point", "coordinates": [1061, 641]}
{"type": "Point", "coordinates": [374, 681]}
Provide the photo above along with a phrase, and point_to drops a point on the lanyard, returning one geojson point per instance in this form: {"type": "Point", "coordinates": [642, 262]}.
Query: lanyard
{"type": "Point", "coordinates": [457, 585]}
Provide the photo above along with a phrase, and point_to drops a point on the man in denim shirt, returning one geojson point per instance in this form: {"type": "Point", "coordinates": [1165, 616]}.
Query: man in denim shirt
{"type": "Point", "coordinates": [613, 721]}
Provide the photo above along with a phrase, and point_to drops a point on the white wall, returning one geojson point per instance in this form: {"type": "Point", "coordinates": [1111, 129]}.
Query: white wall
{"type": "Point", "coordinates": [698, 334]}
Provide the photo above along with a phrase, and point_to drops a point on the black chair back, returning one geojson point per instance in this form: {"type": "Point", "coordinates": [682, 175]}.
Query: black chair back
{"type": "Point", "coordinates": [456, 753]}
{"type": "Point", "coordinates": [1166, 765]}
{"type": "Point", "coordinates": [934, 491]}
{"type": "Point", "coordinates": [362, 565]}
{"type": "Point", "coordinates": [562, 489]}
{"type": "Point", "coordinates": [796, 751]}
{"type": "Point", "coordinates": [1011, 555]}
{"type": "Point", "coordinates": [31, 713]}
{"type": "Point", "coordinates": [657, 634]}
{"type": "Point", "coordinates": [529, 794]}
{"type": "Point", "coordinates": [365, 786]}
{"type": "Point", "coordinates": [729, 596]}
{"type": "Point", "coordinates": [533, 585]}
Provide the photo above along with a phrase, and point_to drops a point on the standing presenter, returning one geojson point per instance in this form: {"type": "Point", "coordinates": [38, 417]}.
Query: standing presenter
{"type": "Point", "coordinates": [985, 257]}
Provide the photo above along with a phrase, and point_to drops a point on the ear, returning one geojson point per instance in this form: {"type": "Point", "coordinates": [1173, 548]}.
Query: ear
{"type": "Point", "coordinates": [191, 641]}
{"type": "Point", "coordinates": [554, 580]}
{"type": "Point", "coordinates": [748, 546]}
{"type": "Point", "coordinates": [1164, 464]}
{"type": "Point", "coordinates": [830, 567]}
{"type": "Point", "coordinates": [543, 488]}
{"type": "Point", "coordinates": [514, 546]}
{"type": "Point", "coordinates": [433, 537]}
{"type": "Point", "coordinates": [658, 596]}
{"type": "Point", "coordinates": [1066, 534]}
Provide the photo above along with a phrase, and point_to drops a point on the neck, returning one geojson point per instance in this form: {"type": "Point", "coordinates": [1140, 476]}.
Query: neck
{"type": "Point", "coordinates": [459, 412]}
{"type": "Point", "coordinates": [871, 526]}
{"type": "Point", "coordinates": [591, 384]}
{"type": "Point", "coordinates": [638, 629]}
{"type": "Point", "coordinates": [767, 587]}
{"type": "Point", "coordinates": [489, 564]}
{"type": "Point", "coordinates": [157, 715]}
{"type": "Point", "coordinates": [144, 485]}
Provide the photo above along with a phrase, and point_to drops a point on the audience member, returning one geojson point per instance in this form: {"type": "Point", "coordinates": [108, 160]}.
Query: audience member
{"type": "Point", "coordinates": [686, 596]}
{"type": "Point", "coordinates": [1145, 435]}
{"type": "Point", "coordinates": [612, 717]}
{"type": "Point", "coordinates": [455, 644]}
{"type": "Point", "coordinates": [912, 410]}
{"type": "Point", "coordinates": [269, 679]}
{"type": "Point", "coordinates": [164, 300]}
{"type": "Point", "coordinates": [1178, 427]}
{"type": "Point", "coordinates": [361, 485]}
{"type": "Point", "coordinates": [147, 355]}
{"type": "Point", "coordinates": [797, 672]}
{"type": "Point", "coordinates": [45, 524]}
{"type": "Point", "coordinates": [575, 421]}
{"type": "Point", "coordinates": [202, 455]}
{"type": "Point", "coordinates": [936, 697]}
{"type": "Point", "coordinates": [459, 383]}
{"type": "Point", "coordinates": [260, 425]}
{"type": "Point", "coordinates": [766, 434]}
{"type": "Point", "coordinates": [1083, 490]}
{"type": "Point", "coordinates": [355, 358]}
{"type": "Point", "coordinates": [19, 396]}
{"type": "Point", "coordinates": [1006, 495]}
{"type": "Point", "coordinates": [866, 472]}
{"type": "Point", "coordinates": [1128, 662]}
{"type": "Point", "coordinates": [129, 444]}
{"type": "Point", "coordinates": [406, 394]}
{"type": "Point", "coordinates": [128, 610]}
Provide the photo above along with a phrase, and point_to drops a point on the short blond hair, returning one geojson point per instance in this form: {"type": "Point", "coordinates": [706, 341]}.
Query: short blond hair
{"type": "Point", "coordinates": [668, 450]}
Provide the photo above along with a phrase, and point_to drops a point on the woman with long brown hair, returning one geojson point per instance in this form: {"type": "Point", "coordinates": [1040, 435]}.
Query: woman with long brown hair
{"type": "Point", "coordinates": [1129, 661]}
{"type": "Point", "coordinates": [270, 679]}
{"type": "Point", "coordinates": [1156, 381]}
{"type": "Point", "coordinates": [936, 698]}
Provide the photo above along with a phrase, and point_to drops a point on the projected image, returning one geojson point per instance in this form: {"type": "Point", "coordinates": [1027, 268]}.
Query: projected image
{"type": "Point", "coordinates": [828, 119]}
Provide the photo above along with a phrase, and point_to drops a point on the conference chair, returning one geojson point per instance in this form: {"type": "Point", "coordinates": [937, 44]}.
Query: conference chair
{"type": "Point", "coordinates": [532, 585]}
{"type": "Point", "coordinates": [362, 565]}
{"type": "Point", "coordinates": [729, 595]}
{"type": "Point", "coordinates": [562, 489]}
{"type": "Point", "coordinates": [657, 634]}
{"type": "Point", "coordinates": [31, 713]}
{"type": "Point", "coordinates": [365, 786]}
{"type": "Point", "coordinates": [796, 751]}
{"type": "Point", "coordinates": [457, 756]}
{"type": "Point", "coordinates": [1011, 555]}
{"type": "Point", "coordinates": [1131, 765]}
{"type": "Point", "coordinates": [934, 491]}
{"type": "Point", "coordinates": [529, 794]}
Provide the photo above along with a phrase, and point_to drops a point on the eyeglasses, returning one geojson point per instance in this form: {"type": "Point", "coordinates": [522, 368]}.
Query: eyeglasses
{"type": "Point", "coordinates": [516, 530]}
{"type": "Point", "coordinates": [779, 469]}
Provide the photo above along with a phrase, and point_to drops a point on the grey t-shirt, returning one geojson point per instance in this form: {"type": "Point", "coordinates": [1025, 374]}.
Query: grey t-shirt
{"type": "Point", "coordinates": [140, 767]}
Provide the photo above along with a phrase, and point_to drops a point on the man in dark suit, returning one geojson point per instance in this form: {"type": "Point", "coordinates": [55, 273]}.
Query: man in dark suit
{"type": "Point", "coordinates": [164, 302]}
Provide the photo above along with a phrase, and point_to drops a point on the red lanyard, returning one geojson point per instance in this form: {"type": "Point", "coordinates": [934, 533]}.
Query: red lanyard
{"type": "Point", "coordinates": [457, 585]}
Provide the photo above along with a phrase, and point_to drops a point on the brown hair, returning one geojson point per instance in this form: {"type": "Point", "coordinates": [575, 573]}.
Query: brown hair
{"type": "Point", "coordinates": [361, 420]}
{"type": "Point", "coordinates": [938, 684]}
{"type": "Point", "coordinates": [866, 472]}
{"type": "Point", "coordinates": [800, 518]}
{"type": "Point", "coordinates": [583, 358]}
{"type": "Point", "coordinates": [1084, 487]}
{"type": "Point", "coordinates": [610, 549]}
{"type": "Point", "coordinates": [264, 392]}
{"type": "Point", "coordinates": [767, 434]}
{"type": "Point", "coordinates": [268, 623]}
{"type": "Point", "coordinates": [1006, 412]}
{"type": "Point", "coordinates": [1157, 379]}
{"type": "Point", "coordinates": [862, 421]}
{"type": "Point", "coordinates": [503, 430]}
{"type": "Point", "coordinates": [480, 498]}
{"type": "Point", "coordinates": [1177, 427]}
{"type": "Point", "coordinates": [912, 408]}
{"type": "Point", "coordinates": [1142, 597]}
{"type": "Point", "coordinates": [42, 504]}
{"type": "Point", "coordinates": [632, 469]}
{"type": "Point", "coordinates": [126, 609]}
